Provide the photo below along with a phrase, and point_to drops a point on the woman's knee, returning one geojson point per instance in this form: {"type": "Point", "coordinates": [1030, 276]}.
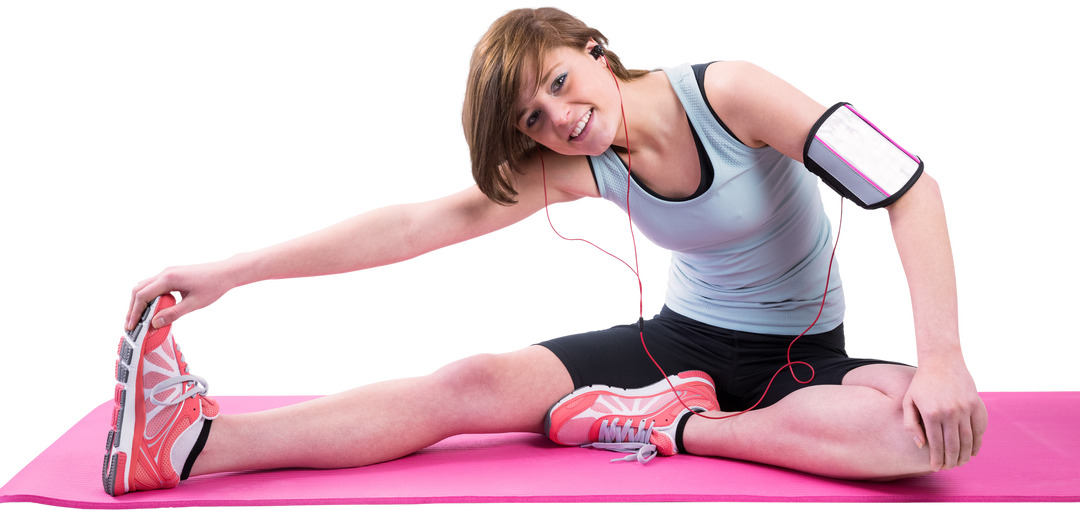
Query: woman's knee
{"type": "Point", "coordinates": [533, 371]}
{"type": "Point", "coordinates": [501, 392]}
{"type": "Point", "coordinates": [479, 372]}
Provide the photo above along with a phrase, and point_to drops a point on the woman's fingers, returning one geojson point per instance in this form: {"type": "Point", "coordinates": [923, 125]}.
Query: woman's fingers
{"type": "Point", "coordinates": [129, 319]}
{"type": "Point", "coordinates": [139, 300]}
{"type": "Point", "coordinates": [199, 285]}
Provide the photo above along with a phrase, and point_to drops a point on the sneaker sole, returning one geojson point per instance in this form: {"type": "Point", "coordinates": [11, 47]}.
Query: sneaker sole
{"type": "Point", "coordinates": [118, 446]}
{"type": "Point", "coordinates": [656, 388]}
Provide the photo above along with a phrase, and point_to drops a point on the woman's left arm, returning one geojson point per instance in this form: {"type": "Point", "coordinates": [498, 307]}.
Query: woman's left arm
{"type": "Point", "coordinates": [941, 407]}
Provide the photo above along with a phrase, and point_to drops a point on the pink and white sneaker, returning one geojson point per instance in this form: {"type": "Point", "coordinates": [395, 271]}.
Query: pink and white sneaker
{"type": "Point", "coordinates": [640, 421]}
{"type": "Point", "coordinates": [160, 414]}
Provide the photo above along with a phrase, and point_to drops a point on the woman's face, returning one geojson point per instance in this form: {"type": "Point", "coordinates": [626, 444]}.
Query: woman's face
{"type": "Point", "coordinates": [576, 109]}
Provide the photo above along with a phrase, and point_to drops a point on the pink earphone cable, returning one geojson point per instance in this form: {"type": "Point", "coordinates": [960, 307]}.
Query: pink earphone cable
{"type": "Point", "coordinates": [635, 268]}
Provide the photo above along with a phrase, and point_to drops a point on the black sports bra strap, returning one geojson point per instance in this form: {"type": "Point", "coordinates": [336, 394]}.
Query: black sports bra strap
{"type": "Point", "coordinates": [699, 73]}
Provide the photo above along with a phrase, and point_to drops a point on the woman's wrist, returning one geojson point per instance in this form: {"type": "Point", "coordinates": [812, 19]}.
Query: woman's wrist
{"type": "Point", "coordinates": [242, 269]}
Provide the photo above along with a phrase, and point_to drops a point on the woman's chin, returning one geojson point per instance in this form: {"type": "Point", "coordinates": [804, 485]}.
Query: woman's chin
{"type": "Point", "coordinates": [592, 145]}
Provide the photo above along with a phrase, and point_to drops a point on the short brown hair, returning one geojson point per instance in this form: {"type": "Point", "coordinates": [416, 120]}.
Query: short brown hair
{"type": "Point", "coordinates": [496, 74]}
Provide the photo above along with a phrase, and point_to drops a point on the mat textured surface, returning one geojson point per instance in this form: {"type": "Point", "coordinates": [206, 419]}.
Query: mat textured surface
{"type": "Point", "coordinates": [1031, 453]}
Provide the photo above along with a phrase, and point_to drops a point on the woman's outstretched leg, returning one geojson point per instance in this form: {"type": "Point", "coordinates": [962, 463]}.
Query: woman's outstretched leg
{"type": "Point", "coordinates": [482, 394]}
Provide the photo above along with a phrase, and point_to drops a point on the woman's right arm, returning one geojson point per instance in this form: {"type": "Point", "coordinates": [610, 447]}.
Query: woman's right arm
{"type": "Point", "coordinates": [375, 238]}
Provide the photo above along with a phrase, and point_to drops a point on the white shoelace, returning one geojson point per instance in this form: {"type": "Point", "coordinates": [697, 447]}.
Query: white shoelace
{"type": "Point", "coordinates": [181, 379]}
{"type": "Point", "coordinates": [626, 439]}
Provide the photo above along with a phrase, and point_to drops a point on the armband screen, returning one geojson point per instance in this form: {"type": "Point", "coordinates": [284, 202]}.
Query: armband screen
{"type": "Point", "coordinates": [857, 160]}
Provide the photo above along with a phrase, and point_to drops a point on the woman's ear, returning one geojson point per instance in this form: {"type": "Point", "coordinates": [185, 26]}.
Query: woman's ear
{"type": "Point", "coordinates": [595, 50]}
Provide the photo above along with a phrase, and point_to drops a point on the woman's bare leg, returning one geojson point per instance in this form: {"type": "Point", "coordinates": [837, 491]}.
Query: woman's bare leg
{"type": "Point", "coordinates": [855, 430]}
{"type": "Point", "coordinates": [487, 393]}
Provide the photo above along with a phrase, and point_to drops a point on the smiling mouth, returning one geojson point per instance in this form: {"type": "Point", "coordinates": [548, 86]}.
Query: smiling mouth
{"type": "Point", "coordinates": [581, 124]}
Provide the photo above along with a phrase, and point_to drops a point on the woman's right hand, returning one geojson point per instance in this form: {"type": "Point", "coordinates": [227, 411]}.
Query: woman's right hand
{"type": "Point", "coordinates": [199, 285]}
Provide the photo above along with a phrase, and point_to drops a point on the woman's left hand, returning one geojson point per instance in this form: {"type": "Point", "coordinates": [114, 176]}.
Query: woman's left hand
{"type": "Point", "coordinates": [943, 410]}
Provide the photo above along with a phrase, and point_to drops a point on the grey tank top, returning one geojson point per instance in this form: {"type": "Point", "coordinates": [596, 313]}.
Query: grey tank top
{"type": "Point", "coordinates": [750, 251]}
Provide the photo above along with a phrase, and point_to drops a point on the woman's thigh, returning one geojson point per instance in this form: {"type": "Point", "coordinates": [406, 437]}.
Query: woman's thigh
{"type": "Point", "coordinates": [619, 357]}
{"type": "Point", "coordinates": [819, 359]}
{"type": "Point", "coordinates": [892, 380]}
{"type": "Point", "coordinates": [747, 368]}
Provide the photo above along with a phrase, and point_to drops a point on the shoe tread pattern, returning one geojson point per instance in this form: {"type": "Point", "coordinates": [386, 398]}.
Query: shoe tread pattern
{"type": "Point", "coordinates": [129, 346]}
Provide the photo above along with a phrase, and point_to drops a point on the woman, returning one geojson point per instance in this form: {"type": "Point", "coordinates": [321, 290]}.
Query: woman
{"type": "Point", "coordinates": [714, 151]}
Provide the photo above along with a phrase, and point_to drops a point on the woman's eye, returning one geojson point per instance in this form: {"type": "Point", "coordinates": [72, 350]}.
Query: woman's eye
{"type": "Point", "coordinates": [555, 85]}
{"type": "Point", "coordinates": [558, 82]}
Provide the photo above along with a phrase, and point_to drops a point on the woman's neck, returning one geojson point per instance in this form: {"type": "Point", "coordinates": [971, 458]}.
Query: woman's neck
{"type": "Point", "coordinates": [651, 110]}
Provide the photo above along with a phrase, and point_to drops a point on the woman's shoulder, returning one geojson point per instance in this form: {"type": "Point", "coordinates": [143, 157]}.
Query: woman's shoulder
{"type": "Point", "coordinates": [731, 79]}
{"type": "Point", "coordinates": [726, 86]}
{"type": "Point", "coordinates": [564, 178]}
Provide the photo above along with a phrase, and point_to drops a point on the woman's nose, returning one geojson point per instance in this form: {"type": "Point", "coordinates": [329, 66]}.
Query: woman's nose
{"type": "Point", "coordinates": [562, 117]}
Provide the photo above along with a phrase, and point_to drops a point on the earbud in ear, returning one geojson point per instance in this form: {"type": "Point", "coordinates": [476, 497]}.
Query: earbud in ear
{"type": "Point", "coordinates": [597, 52]}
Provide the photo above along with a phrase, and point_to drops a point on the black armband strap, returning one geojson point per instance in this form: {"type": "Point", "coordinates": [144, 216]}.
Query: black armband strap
{"type": "Point", "coordinates": [857, 160]}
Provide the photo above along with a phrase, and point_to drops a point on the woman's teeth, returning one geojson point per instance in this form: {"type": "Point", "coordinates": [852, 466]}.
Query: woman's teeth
{"type": "Point", "coordinates": [582, 123]}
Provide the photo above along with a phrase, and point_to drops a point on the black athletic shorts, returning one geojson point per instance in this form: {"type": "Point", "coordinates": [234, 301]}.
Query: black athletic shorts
{"type": "Point", "coordinates": [740, 364]}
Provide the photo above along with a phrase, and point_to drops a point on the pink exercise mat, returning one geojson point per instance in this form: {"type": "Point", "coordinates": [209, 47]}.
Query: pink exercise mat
{"type": "Point", "coordinates": [1031, 453]}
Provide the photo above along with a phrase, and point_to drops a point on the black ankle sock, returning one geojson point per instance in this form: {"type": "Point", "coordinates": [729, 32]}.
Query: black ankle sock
{"type": "Point", "coordinates": [197, 449]}
{"type": "Point", "coordinates": [678, 432]}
